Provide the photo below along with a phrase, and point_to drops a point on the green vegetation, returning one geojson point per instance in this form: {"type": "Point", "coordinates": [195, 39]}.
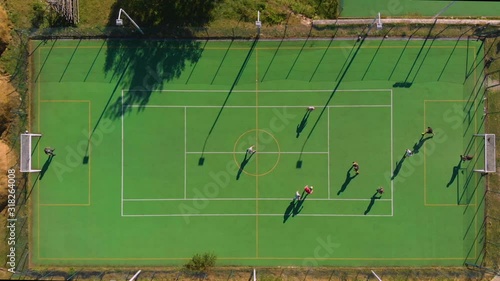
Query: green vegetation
{"type": "Point", "coordinates": [201, 263]}
{"type": "Point", "coordinates": [276, 11]}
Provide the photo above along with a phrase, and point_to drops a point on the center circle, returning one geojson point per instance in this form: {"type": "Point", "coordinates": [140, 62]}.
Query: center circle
{"type": "Point", "coordinates": [262, 139]}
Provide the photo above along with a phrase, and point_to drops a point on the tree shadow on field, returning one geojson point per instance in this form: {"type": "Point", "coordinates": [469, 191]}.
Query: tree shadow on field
{"type": "Point", "coordinates": [143, 66]}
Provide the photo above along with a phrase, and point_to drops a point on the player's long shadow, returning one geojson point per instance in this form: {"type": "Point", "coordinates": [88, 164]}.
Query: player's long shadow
{"type": "Point", "coordinates": [301, 126]}
{"type": "Point", "coordinates": [399, 164]}
{"type": "Point", "coordinates": [348, 179]}
{"type": "Point", "coordinates": [372, 202]}
{"type": "Point", "coordinates": [454, 174]}
{"type": "Point", "coordinates": [243, 163]}
{"type": "Point", "coordinates": [299, 205]}
{"type": "Point", "coordinates": [420, 143]}
{"type": "Point", "coordinates": [45, 167]}
{"type": "Point", "coordinates": [289, 210]}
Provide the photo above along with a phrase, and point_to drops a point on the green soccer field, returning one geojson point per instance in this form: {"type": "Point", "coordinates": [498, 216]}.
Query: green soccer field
{"type": "Point", "coordinates": [418, 8]}
{"type": "Point", "coordinates": [151, 164]}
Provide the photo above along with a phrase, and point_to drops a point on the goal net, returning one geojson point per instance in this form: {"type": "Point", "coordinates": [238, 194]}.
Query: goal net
{"type": "Point", "coordinates": [489, 153]}
{"type": "Point", "coordinates": [25, 161]}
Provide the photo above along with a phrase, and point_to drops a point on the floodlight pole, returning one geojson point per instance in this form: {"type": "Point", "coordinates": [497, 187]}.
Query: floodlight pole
{"type": "Point", "coordinates": [258, 23]}
{"type": "Point", "coordinates": [135, 276]}
{"type": "Point", "coordinates": [376, 276]}
{"type": "Point", "coordinates": [118, 20]}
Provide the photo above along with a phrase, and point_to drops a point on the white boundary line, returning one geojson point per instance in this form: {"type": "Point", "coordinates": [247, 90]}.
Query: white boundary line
{"type": "Point", "coordinates": [253, 106]}
{"type": "Point", "coordinates": [185, 152]}
{"type": "Point", "coordinates": [253, 215]}
{"type": "Point", "coordinates": [122, 157]}
{"type": "Point", "coordinates": [263, 91]}
{"type": "Point", "coordinates": [245, 199]}
{"type": "Point", "coordinates": [259, 152]}
{"type": "Point", "coordinates": [392, 156]}
{"type": "Point", "coordinates": [328, 147]}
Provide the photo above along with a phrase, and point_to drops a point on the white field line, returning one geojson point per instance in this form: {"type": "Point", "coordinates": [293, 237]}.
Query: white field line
{"type": "Point", "coordinates": [253, 215]}
{"type": "Point", "coordinates": [253, 106]}
{"type": "Point", "coordinates": [185, 152]}
{"type": "Point", "coordinates": [392, 156]}
{"type": "Point", "coordinates": [259, 152]}
{"type": "Point", "coordinates": [328, 145]}
{"type": "Point", "coordinates": [264, 91]}
{"type": "Point", "coordinates": [244, 199]}
{"type": "Point", "coordinates": [122, 158]}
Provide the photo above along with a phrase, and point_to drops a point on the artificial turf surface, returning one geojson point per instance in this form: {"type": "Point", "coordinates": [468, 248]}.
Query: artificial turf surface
{"type": "Point", "coordinates": [150, 164]}
{"type": "Point", "coordinates": [417, 8]}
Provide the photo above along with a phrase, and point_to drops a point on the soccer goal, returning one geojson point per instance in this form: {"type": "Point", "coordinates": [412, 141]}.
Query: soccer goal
{"type": "Point", "coordinates": [490, 165]}
{"type": "Point", "coordinates": [25, 160]}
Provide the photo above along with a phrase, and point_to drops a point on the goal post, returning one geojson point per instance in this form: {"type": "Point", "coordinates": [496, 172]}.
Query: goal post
{"type": "Point", "coordinates": [25, 161]}
{"type": "Point", "coordinates": [489, 153]}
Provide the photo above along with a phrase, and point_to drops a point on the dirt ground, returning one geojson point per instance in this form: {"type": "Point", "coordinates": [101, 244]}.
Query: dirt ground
{"type": "Point", "coordinates": [5, 28]}
{"type": "Point", "coordinates": [8, 98]}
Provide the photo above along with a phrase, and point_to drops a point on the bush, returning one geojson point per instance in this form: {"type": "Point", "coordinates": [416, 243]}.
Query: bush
{"type": "Point", "coordinates": [38, 14]}
{"type": "Point", "coordinates": [201, 263]}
